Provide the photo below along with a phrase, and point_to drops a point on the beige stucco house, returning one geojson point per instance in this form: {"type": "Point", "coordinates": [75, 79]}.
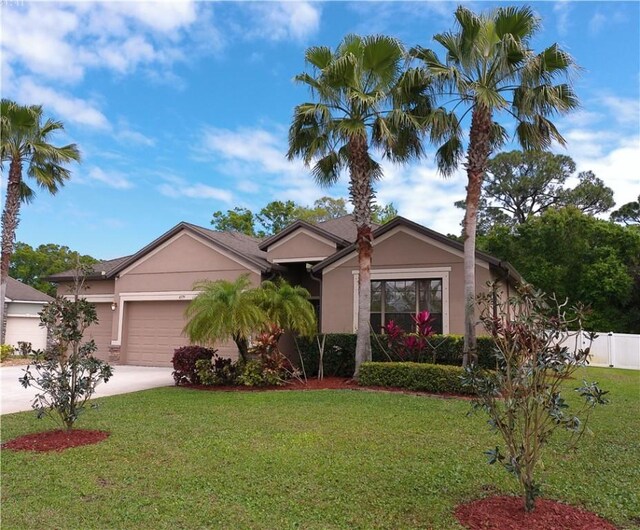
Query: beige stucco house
{"type": "Point", "coordinates": [141, 298]}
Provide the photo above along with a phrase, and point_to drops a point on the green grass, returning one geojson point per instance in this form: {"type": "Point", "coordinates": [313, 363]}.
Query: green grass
{"type": "Point", "coordinates": [179, 458]}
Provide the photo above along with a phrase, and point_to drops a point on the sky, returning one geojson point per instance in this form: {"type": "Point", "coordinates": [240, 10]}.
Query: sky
{"type": "Point", "coordinates": [181, 109]}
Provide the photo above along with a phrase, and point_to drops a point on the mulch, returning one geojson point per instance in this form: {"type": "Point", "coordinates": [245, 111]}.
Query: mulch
{"type": "Point", "coordinates": [507, 513]}
{"type": "Point", "coordinates": [59, 440]}
{"type": "Point", "coordinates": [328, 383]}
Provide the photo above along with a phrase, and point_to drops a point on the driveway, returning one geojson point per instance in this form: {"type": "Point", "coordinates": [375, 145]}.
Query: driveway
{"type": "Point", "coordinates": [15, 398]}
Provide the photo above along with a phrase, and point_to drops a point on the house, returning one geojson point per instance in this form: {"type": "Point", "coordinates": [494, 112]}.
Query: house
{"type": "Point", "coordinates": [23, 322]}
{"type": "Point", "coordinates": [141, 298]}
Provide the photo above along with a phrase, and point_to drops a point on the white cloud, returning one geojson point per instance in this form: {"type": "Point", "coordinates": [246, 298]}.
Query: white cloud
{"type": "Point", "coordinates": [71, 109]}
{"type": "Point", "coordinates": [283, 21]}
{"type": "Point", "coordinates": [112, 179]}
{"type": "Point", "coordinates": [562, 10]}
{"type": "Point", "coordinates": [176, 187]}
{"type": "Point", "coordinates": [625, 111]}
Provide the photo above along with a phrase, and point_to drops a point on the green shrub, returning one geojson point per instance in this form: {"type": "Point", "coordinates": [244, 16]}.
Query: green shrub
{"type": "Point", "coordinates": [217, 371]}
{"type": "Point", "coordinates": [340, 349]}
{"type": "Point", "coordinates": [255, 373]}
{"type": "Point", "coordinates": [425, 377]}
{"type": "Point", "coordinates": [6, 351]}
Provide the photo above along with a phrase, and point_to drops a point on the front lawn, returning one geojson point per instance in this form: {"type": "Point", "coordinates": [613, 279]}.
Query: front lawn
{"type": "Point", "coordinates": [180, 458]}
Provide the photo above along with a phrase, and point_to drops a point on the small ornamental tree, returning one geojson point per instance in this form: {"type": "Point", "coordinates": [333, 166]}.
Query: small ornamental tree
{"type": "Point", "coordinates": [67, 374]}
{"type": "Point", "coordinates": [537, 352]}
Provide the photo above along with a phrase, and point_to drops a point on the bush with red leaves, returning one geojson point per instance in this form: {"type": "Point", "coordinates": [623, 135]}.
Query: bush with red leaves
{"type": "Point", "coordinates": [184, 363]}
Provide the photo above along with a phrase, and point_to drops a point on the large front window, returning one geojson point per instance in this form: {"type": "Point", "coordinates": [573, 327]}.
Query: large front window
{"type": "Point", "coordinates": [400, 300]}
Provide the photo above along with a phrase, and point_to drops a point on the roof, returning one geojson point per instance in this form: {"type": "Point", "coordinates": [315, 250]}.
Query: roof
{"type": "Point", "coordinates": [341, 230]}
{"type": "Point", "coordinates": [241, 245]}
{"type": "Point", "coordinates": [21, 292]}
{"type": "Point", "coordinates": [343, 227]}
{"type": "Point", "coordinates": [402, 221]}
{"type": "Point", "coordinates": [98, 271]}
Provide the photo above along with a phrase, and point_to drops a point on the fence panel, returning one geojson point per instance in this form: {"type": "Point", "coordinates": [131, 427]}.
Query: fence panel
{"type": "Point", "coordinates": [619, 350]}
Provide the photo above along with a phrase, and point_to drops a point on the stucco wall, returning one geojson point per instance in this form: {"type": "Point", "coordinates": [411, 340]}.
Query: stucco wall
{"type": "Point", "coordinates": [401, 250]}
{"type": "Point", "coordinates": [300, 245]}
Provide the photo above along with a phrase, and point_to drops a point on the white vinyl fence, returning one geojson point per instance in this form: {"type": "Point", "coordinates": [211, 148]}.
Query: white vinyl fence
{"type": "Point", "coordinates": [618, 350]}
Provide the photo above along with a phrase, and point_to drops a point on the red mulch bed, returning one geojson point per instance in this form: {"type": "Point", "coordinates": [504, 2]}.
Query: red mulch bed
{"type": "Point", "coordinates": [507, 513]}
{"type": "Point", "coordinates": [328, 383]}
{"type": "Point", "coordinates": [55, 440]}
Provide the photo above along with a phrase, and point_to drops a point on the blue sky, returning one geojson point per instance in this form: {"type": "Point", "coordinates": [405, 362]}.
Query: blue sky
{"type": "Point", "coordinates": [181, 108]}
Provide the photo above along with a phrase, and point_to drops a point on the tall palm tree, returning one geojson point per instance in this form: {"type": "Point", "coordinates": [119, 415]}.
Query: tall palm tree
{"type": "Point", "coordinates": [365, 100]}
{"type": "Point", "coordinates": [287, 306]}
{"type": "Point", "coordinates": [25, 145]}
{"type": "Point", "coordinates": [490, 70]}
{"type": "Point", "coordinates": [224, 310]}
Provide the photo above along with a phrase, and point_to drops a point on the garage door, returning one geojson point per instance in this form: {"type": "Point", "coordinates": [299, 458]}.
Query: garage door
{"type": "Point", "coordinates": [101, 332]}
{"type": "Point", "coordinates": [153, 330]}
{"type": "Point", "coordinates": [26, 329]}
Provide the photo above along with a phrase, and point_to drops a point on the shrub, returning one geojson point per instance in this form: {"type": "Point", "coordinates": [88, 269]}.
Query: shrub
{"type": "Point", "coordinates": [425, 377]}
{"type": "Point", "coordinates": [6, 351]}
{"type": "Point", "coordinates": [24, 348]}
{"type": "Point", "coordinates": [184, 363]}
{"type": "Point", "coordinates": [536, 353]}
{"type": "Point", "coordinates": [340, 349]}
{"type": "Point", "coordinates": [217, 371]}
{"type": "Point", "coordinates": [255, 373]}
{"type": "Point", "coordinates": [67, 374]}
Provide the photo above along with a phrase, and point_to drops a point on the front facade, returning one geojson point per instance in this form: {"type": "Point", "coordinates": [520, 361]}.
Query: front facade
{"type": "Point", "coordinates": [141, 299]}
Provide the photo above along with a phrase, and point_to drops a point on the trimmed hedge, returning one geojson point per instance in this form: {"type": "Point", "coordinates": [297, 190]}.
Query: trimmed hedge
{"type": "Point", "coordinates": [424, 377]}
{"type": "Point", "coordinates": [339, 352]}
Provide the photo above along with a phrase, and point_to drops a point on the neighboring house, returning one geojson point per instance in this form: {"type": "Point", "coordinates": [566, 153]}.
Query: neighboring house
{"type": "Point", "coordinates": [141, 298]}
{"type": "Point", "coordinates": [23, 322]}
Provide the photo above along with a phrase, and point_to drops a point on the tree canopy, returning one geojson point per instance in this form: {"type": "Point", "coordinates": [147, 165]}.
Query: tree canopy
{"type": "Point", "coordinates": [277, 215]}
{"type": "Point", "coordinates": [521, 184]}
{"type": "Point", "coordinates": [628, 213]}
{"type": "Point", "coordinates": [31, 265]}
{"type": "Point", "coordinates": [579, 257]}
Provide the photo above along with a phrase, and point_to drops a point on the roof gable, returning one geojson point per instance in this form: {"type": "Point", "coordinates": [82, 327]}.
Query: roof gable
{"type": "Point", "coordinates": [300, 225]}
{"type": "Point", "coordinates": [437, 237]}
{"type": "Point", "coordinates": [21, 292]}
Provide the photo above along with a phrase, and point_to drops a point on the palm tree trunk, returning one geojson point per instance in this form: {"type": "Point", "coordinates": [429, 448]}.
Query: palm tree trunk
{"type": "Point", "coordinates": [9, 225]}
{"type": "Point", "coordinates": [476, 164]}
{"type": "Point", "coordinates": [361, 194]}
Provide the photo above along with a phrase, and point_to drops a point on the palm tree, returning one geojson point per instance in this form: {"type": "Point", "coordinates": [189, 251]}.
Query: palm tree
{"type": "Point", "coordinates": [25, 144]}
{"type": "Point", "coordinates": [364, 100]}
{"type": "Point", "coordinates": [287, 306]}
{"type": "Point", "coordinates": [490, 70]}
{"type": "Point", "coordinates": [224, 310]}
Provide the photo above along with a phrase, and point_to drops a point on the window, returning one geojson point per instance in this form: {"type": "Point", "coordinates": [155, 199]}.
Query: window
{"type": "Point", "coordinates": [400, 300]}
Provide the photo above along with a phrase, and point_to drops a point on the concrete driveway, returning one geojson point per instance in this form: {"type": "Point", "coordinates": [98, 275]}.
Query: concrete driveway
{"type": "Point", "coordinates": [15, 398]}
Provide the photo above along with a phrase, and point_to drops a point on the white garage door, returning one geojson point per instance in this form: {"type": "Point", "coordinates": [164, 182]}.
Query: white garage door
{"type": "Point", "coordinates": [26, 329]}
{"type": "Point", "coordinates": [153, 331]}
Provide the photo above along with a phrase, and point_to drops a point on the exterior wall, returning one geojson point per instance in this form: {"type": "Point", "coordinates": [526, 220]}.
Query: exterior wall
{"type": "Point", "coordinates": [101, 332]}
{"type": "Point", "coordinates": [23, 325]}
{"type": "Point", "coordinates": [160, 282]}
{"type": "Point", "coordinates": [90, 288]}
{"type": "Point", "coordinates": [177, 266]}
{"type": "Point", "coordinates": [301, 245]}
{"type": "Point", "coordinates": [400, 250]}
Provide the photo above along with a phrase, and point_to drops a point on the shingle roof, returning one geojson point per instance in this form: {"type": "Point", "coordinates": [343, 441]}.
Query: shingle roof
{"type": "Point", "coordinates": [21, 292]}
{"type": "Point", "coordinates": [343, 227]}
{"type": "Point", "coordinates": [99, 270]}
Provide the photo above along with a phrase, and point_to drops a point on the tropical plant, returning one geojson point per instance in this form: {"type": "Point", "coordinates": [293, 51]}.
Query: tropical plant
{"type": "Point", "coordinates": [236, 310]}
{"type": "Point", "coordinates": [536, 353]}
{"type": "Point", "coordinates": [25, 145]}
{"type": "Point", "coordinates": [365, 100]}
{"type": "Point", "coordinates": [287, 306]}
{"type": "Point", "coordinates": [489, 70]}
{"type": "Point", "coordinates": [224, 310]}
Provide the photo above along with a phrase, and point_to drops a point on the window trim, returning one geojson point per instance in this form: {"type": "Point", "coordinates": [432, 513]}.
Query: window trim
{"type": "Point", "coordinates": [427, 273]}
